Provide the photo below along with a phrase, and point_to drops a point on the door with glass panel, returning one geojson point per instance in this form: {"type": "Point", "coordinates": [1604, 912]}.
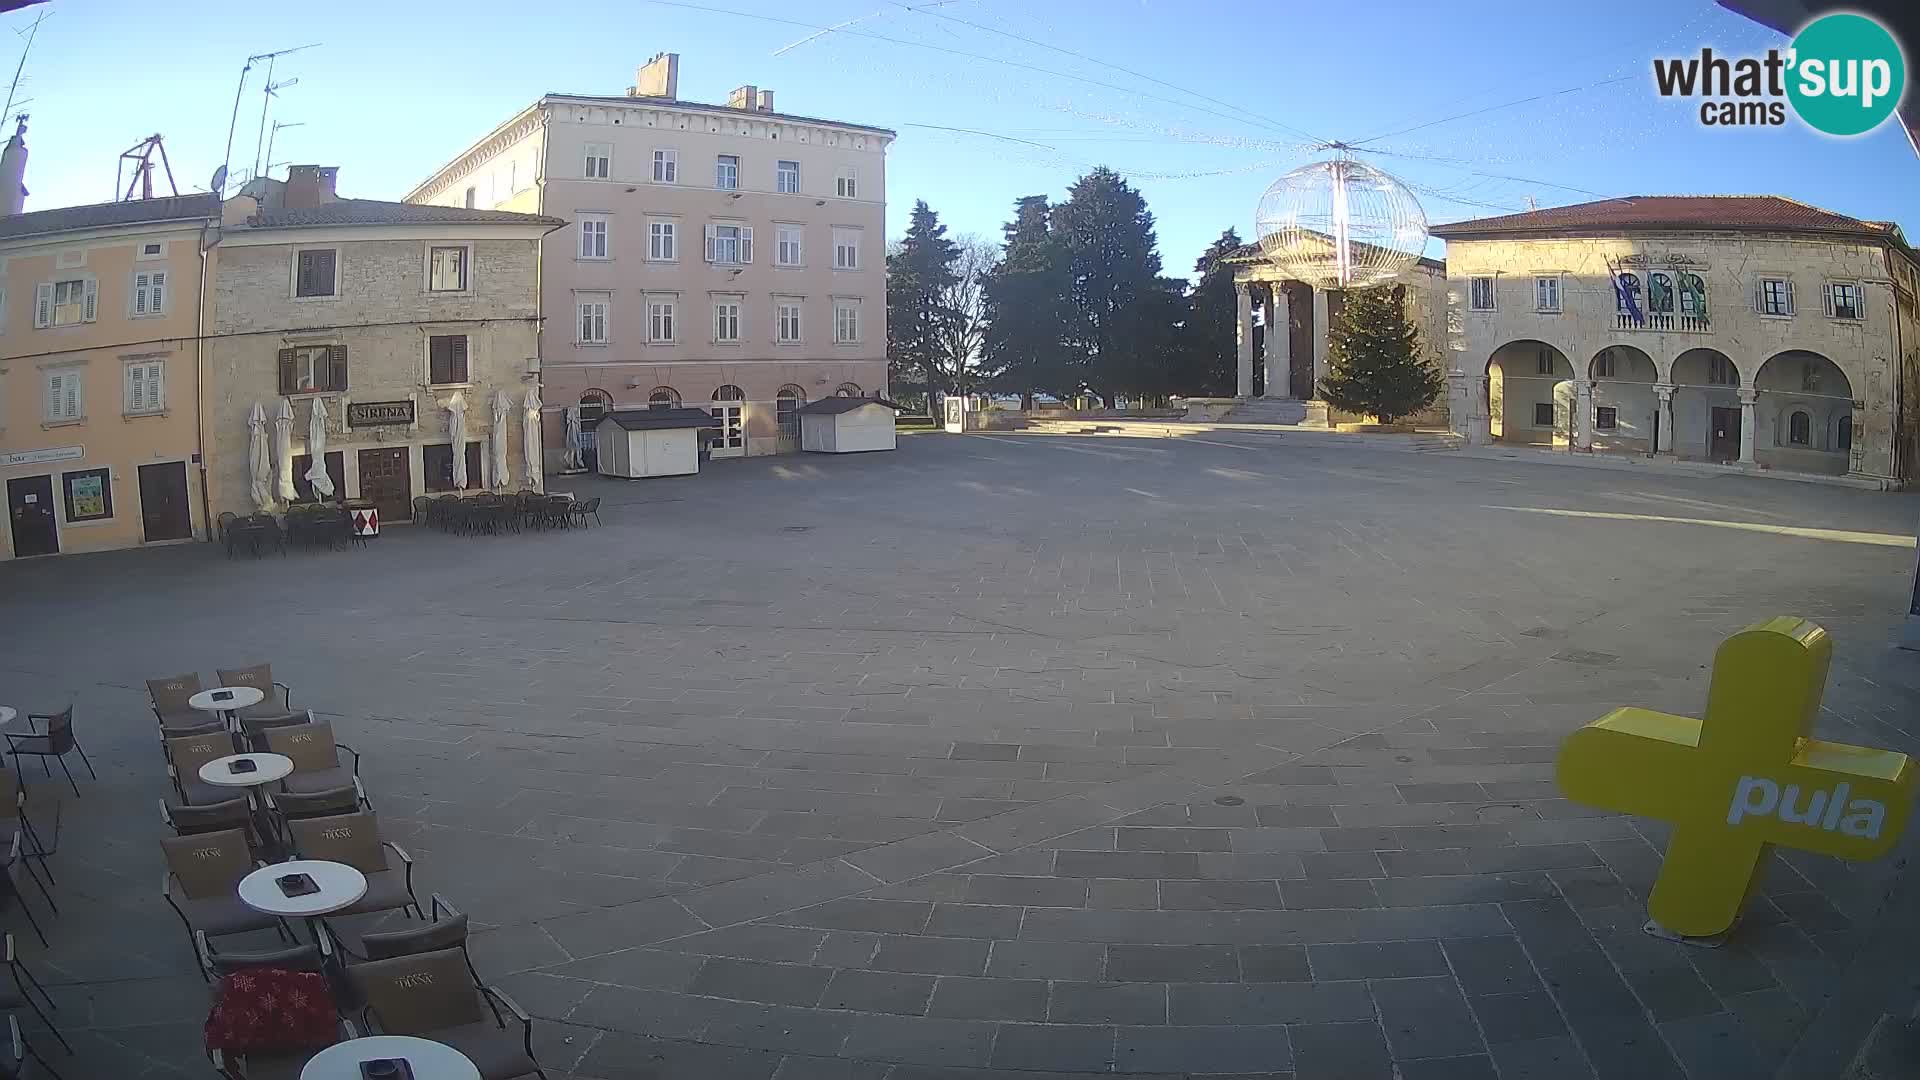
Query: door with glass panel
{"type": "Point", "coordinates": [730, 408]}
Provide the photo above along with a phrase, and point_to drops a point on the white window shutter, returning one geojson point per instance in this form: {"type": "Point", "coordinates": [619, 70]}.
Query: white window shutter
{"type": "Point", "coordinates": [710, 242]}
{"type": "Point", "coordinates": [53, 396]}
{"type": "Point", "coordinates": [1789, 297]}
{"type": "Point", "coordinates": [139, 296]}
{"type": "Point", "coordinates": [746, 243]}
{"type": "Point", "coordinates": [156, 288]}
{"type": "Point", "coordinates": [134, 386]}
{"type": "Point", "coordinates": [1826, 292]}
{"type": "Point", "coordinates": [43, 305]}
{"type": "Point", "coordinates": [92, 292]}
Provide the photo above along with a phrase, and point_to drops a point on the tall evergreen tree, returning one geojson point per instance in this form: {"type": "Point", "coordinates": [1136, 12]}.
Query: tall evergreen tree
{"type": "Point", "coordinates": [1115, 310]}
{"type": "Point", "coordinates": [1209, 348]}
{"type": "Point", "coordinates": [919, 272]}
{"type": "Point", "coordinates": [1025, 299]}
{"type": "Point", "coordinates": [1373, 358]}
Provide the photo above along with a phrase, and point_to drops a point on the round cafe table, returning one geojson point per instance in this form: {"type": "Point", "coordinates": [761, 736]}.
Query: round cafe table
{"type": "Point", "coordinates": [228, 707]}
{"type": "Point", "coordinates": [341, 886]}
{"type": "Point", "coordinates": [269, 767]}
{"type": "Point", "coordinates": [430, 1060]}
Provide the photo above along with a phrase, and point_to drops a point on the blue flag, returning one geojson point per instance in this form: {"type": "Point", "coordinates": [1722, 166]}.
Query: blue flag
{"type": "Point", "coordinates": [1628, 301]}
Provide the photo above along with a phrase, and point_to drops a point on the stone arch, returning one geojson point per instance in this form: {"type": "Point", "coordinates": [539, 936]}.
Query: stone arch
{"type": "Point", "coordinates": [1706, 405]}
{"type": "Point", "coordinates": [1803, 413]}
{"type": "Point", "coordinates": [1530, 393]}
{"type": "Point", "coordinates": [1624, 405]}
{"type": "Point", "coordinates": [663, 397]}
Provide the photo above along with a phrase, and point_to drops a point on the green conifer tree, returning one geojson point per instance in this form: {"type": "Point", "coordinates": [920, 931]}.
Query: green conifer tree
{"type": "Point", "coordinates": [1373, 358]}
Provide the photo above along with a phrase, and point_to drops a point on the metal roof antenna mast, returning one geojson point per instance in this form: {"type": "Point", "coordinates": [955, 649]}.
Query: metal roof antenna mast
{"type": "Point", "coordinates": [13, 90]}
{"type": "Point", "coordinates": [226, 162]}
{"type": "Point", "coordinates": [141, 154]}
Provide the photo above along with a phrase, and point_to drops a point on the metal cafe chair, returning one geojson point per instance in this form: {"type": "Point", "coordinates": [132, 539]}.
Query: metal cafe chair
{"type": "Point", "coordinates": [56, 741]}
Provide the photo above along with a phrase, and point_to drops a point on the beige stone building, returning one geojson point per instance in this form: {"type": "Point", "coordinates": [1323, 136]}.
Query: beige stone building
{"type": "Point", "coordinates": [729, 257]}
{"type": "Point", "coordinates": [99, 323]}
{"type": "Point", "coordinates": [1752, 330]}
{"type": "Point", "coordinates": [392, 318]}
{"type": "Point", "coordinates": [1283, 357]}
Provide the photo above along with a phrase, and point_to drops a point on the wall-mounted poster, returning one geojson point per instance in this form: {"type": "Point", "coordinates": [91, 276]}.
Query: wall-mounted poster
{"type": "Point", "coordinates": [89, 495]}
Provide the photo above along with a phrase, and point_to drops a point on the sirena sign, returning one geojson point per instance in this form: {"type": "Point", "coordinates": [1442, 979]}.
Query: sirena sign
{"type": "Point", "coordinates": [1745, 778]}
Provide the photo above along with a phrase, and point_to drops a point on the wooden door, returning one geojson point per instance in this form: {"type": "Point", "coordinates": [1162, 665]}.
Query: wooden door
{"type": "Point", "coordinates": [386, 481]}
{"type": "Point", "coordinates": [1723, 434]}
{"type": "Point", "coordinates": [164, 514]}
{"type": "Point", "coordinates": [30, 511]}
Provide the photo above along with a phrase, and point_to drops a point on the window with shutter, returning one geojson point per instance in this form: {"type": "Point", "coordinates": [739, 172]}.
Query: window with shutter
{"type": "Point", "coordinates": [64, 303]}
{"type": "Point", "coordinates": [145, 387]}
{"type": "Point", "coordinates": [92, 293]}
{"type": "Point", "coordinates": [314, 273]}
{"type": "Point", "coordinates": [43, 305]}
{"type": "Point", "coordinates": [447, 359]}
{"type": "Point", "coordinates": [149, 292]}
{"type": "Point", "coordinates": [746, 244]}
{"type": "Point", "coordinates": [63, 396]}
{"type": "Point", "coordinates": [336, 367]}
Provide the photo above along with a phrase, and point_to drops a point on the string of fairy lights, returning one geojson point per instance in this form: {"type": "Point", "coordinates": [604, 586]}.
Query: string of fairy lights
{"type": "Point", "coordinates": [1017, 60]}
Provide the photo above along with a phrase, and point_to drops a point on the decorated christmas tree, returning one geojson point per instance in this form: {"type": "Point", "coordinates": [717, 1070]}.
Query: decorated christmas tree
{"type": "Point", "coordinates": [1373, 358]}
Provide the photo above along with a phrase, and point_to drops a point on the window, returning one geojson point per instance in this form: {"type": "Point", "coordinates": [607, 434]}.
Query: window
{"type": "Point", "coordinates": [447, 359]}
{"type": "Point", "coordinates": [447, 269]}
{"type": "Point", "coordinates": [1660, 293]}
{"type": "Point", "coordinates": [786, 177]}
{"type": "Point", "coordinates": [1543, 361]}
{"type": "Point", "coordinates": [1480, 294]}
{"type": "Point", "coordinates": [726, 172]}
{"type": "Point", "coordinates": [1810, 377]}
{"type": "Point", "coordinates": [150, 292]}
{"type": "Point", "coordinates": [846, 321]}
{"type": "Point", "coordinates": [593, 408]}
{"type": "Point", "coordinates": [729, 244]}
{"type": "Point", "coordinates": [847, 389]}
{"type": "Point", "coordinates": [436, 460]}
{"type": "Point", "coordinates": [1843, 433]}
{"type": "Point", "coordinates": [1606, 418]}
{"type": "Point", "coordinates": [1693, 295]}
{"type": "Point", "coordinates": [593, 237]}
{"type": "Point", "coordinates": [64, 303]}
{"type": "Point", "coordinates": [726, 320]}
{"type": "Point", "coordinates": [146, 387]}
{"type": "Point", "coordinates": [666, 166]}
{"type": "Point", "coordinates": [1603, 364]}
{"type": "Point", "coordinates": [663, 397]}
{"type": "Point", "coordinates": [1546, 293]}
{"type": "Point", "coordinates": [314, 271]}
{"type": "Point", "coordinates": [846, 249]}
{"type": "Point", "coordinates": [660, 241]}
{"type": "Point", "coordinates": [65, 402]}
{"type": "Point", "coordinates": [1626, 291]}
{"type": "Point", "coordinates": [89, 495]}
{"type": "Point", "coordinates": [1543, 414]}
{"type": "Point", "coordinates": [151, 251]}
{"type": "Point", "coordinates": [786, 245]}
{"type": "Point", "coordinates": [787, 322]}
{"type": "Point", "coordinates": [1799, 428]}
{"type": "Point", "coordinates": [593, 319]}
{"type": "Point", "coordinates": [660, 318]}
{"type": "Point", "coordinates": [1720, 372]}
{"type": "Point", "coordinates": [599, 163]}
{"type": "Point", "coordinates": [472, 197]}
{"type": "Point", "coordinates": [786, 411]}
{"type": "Point", "coordinates": [1843, 300]}
{"type": "Point", "coordinates": [1776, 296]}
{"type": "Point", "coordinates": [846, 182]}
{"type": "Point", "coordinates": [311, 369]}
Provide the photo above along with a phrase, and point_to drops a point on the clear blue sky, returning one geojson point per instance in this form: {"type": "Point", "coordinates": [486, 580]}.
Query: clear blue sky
{"type": "Point", "coordinates": [396, 90]}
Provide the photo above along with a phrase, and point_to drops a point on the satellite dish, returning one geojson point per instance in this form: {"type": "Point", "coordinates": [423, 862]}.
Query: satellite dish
{"type": "Point", "coordinates": [218, 184]}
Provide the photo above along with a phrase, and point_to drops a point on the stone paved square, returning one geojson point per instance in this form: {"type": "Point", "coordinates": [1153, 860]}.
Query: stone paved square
{"type": "Point", "coordinates": [1010, 756]}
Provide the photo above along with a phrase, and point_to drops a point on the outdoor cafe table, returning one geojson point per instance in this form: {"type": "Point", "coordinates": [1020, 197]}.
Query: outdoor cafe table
{"type": "Point", "coordinates": [270, 767]}
{"type": "Point", "coordinates": [430, 1060]}
{"type": "Point", "coordinates": [341, 886]}
{"type": "Point", "coordinates": [227, 707]}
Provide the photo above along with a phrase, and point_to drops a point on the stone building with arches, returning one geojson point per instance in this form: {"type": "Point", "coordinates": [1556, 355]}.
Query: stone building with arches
{"type": "Point", "coordinates": [1747, 329]}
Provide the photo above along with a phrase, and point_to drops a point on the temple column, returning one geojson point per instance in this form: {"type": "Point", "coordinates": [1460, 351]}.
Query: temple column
{"type": "Point", "coordinates": [1583, 415]}
{"type": "Point", "coordinates": [1663, 419]}
{"type": "Point", "coordinates": [1243, 327]}
{"type": "Point", "coordinates": [1274, 339]}
{"type": "Point", "coordinates": [1320, 320]}
{"type": "Point", "coordinates": [1748, 399]}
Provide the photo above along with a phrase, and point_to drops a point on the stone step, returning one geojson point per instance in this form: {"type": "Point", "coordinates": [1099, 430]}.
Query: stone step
{"type": "Point", "coordinates": [1268, 411]}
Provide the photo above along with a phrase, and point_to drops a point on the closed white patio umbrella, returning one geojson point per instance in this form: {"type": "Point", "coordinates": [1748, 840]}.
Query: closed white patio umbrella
{"type": "Point", "coordinates": [457, 435]}
{"type": "Point", "coordinates": [259, 461]}
{"type": "Point", "coordinates": [530, 437]}
{"type": "Point", "coordinates": [497, 439]}
{"type": "Point", "coordinates": [283, 453]}
{"type": "Point", "coordinates": [317, 449]}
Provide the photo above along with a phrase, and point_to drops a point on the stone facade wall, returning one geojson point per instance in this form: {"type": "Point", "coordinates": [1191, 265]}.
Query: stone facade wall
{"type": "Point", "coordinates": [384, 316]}
{"type": "Point", "coordinates": [1731, 265]}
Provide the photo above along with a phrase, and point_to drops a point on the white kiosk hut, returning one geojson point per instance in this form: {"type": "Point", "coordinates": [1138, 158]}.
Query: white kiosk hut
{"type": "Point", "coordinates": [847, 425]}
{"type": "Point", "coordinates": [636, 443]}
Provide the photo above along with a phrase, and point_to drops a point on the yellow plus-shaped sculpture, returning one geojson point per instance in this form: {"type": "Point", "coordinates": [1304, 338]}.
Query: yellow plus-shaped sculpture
{"type": "Point", "coordinates": [1745, 778]}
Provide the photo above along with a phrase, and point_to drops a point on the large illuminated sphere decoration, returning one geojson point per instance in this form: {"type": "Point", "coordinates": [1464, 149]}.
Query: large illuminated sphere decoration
{"type": "Point", "coordinates": [1340, 224]}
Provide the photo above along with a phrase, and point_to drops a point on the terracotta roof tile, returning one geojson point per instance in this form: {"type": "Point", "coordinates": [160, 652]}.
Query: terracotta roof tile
{"type": "Point", "coordinates": [1739, 213]}
{"type": "Point", "coordinates": [103, 215]}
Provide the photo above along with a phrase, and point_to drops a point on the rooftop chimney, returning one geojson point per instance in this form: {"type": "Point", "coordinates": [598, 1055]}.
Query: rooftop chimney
{"type": "Point", "coordinates": [746, 98]}
{"type": "Point", "coordinates": [310, 185]}
{"type": "Point", "coordinates": [766, 101]}
{"type": "Point", "coordinates": [658, 77]}
{"type": "Point", "coordinates": [13, 171]}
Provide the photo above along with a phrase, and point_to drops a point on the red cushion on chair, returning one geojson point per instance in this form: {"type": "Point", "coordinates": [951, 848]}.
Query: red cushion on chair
{"type": "Point", "coordinates": [269, 1010]}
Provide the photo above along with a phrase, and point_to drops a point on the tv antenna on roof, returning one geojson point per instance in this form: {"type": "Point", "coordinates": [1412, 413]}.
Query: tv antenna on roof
{"type": "Point", "coordinates": [32, 31]}
{"type": "Point", "coordinates": [234, 123]}
{"type": "Point", "coordinates": [141, 154]}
